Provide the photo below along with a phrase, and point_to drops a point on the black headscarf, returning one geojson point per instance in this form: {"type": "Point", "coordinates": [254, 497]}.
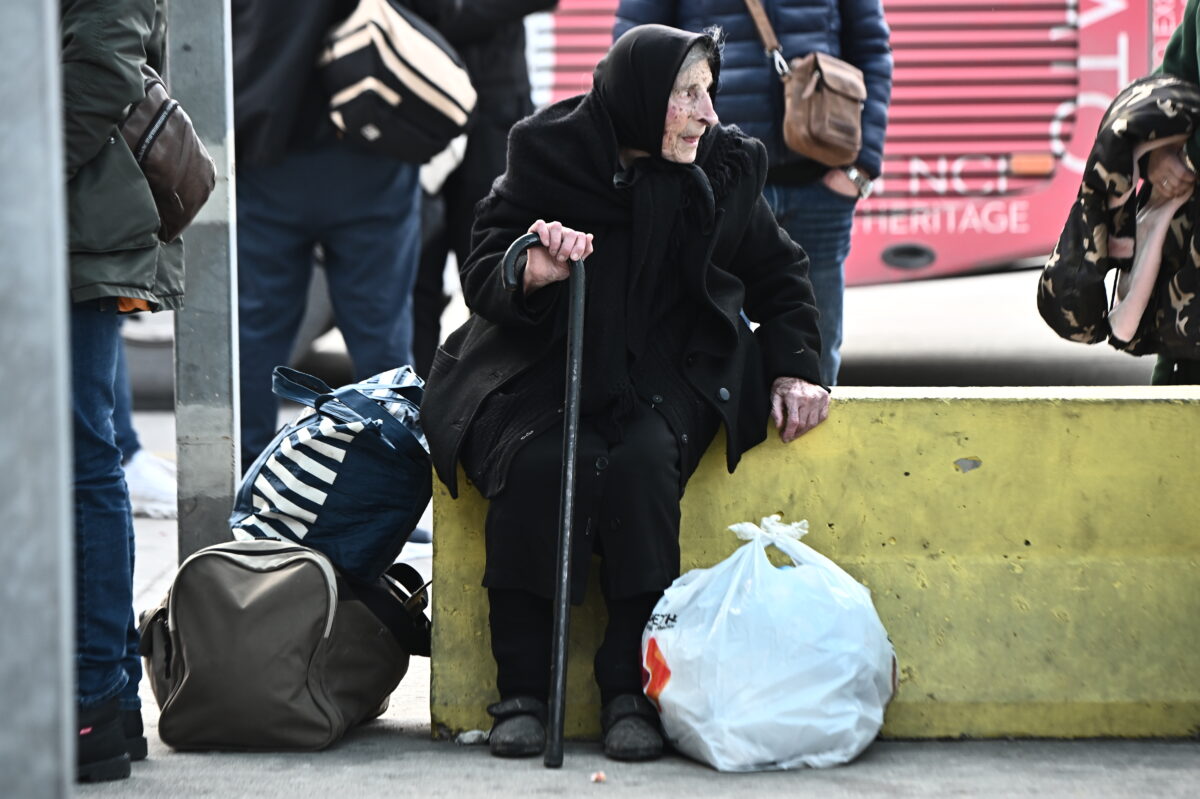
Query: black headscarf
{"type": "Point", "coordinates": [634, 80]}
{"type": "Point", "coordinates": [563, 164]}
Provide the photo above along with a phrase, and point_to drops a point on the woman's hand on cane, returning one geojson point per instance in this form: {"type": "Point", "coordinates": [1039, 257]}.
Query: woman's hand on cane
{"type": "Point", "coordinates": [550, 262]}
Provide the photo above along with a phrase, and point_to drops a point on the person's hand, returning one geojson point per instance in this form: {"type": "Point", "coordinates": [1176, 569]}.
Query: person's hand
{"type": "Point", "coordinates": [839, 183]}
{"type": "Point", "coordinates": [797, 407]}
{"type": "Point", "coordinates": [550, 262]}
{"type": "Point", "coordinates": [1168, 173]}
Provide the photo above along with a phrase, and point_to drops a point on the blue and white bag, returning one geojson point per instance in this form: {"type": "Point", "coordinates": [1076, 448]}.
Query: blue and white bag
{"type": "Point", "coordinates": [350, 479]}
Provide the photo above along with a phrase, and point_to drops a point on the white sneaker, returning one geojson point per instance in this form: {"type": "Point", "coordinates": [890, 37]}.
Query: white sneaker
{"type": "Point", "coordinates": [151, 481]}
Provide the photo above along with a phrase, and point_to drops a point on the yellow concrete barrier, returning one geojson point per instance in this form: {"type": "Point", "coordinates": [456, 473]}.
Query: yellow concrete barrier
{"type": "Point", "coordinates": [1034, 555]}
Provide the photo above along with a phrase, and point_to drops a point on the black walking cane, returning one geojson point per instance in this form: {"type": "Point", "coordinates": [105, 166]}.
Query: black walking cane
{"type": "Point", "coordinates": [562, 593]}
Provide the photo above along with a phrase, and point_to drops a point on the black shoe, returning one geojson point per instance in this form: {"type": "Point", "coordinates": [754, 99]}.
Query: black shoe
{"type": "Point", "coordinates": [519, 729]}
{"type": "Point", "coordinates": [100, 753]}
{"type": "Point", "coordinates": [135, 738]}
{"type": "Point", "coordinates": [631, 730]}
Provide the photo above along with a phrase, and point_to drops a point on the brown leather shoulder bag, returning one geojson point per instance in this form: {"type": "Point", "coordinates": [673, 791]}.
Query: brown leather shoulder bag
{"type": "Point", "coordinates": [175, 162]}
{"type": "Point", "coordinates": [823, 99]}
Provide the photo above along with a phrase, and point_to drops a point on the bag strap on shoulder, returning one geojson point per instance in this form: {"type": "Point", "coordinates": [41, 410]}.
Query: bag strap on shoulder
{"type": "Point", "coordinates": [767, 34]}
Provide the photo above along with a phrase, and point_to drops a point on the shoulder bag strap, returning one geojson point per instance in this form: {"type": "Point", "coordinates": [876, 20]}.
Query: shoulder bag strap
{"type": "Point", "coordinates": [767, 34]}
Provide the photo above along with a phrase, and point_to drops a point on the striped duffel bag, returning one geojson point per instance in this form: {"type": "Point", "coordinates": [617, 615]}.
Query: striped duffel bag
{"type": "Point", "coordinates": [349, 478]}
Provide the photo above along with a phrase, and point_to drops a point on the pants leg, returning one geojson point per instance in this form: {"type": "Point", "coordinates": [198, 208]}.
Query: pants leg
{"type": "Point", "coordinates": [372, 246]}
{"type": "Point", "coordinates": [103, 525]}
{"type": "Point", "coordinates": [522, 626]}
{"type": "Point", "coordinates": [820, 221]}
{"type": "Point", "coordinates": [126, 436]}
{"type": "Point", "coordinates": [275, 257]}
{"type": "Point", "coordinates": [618, 662]}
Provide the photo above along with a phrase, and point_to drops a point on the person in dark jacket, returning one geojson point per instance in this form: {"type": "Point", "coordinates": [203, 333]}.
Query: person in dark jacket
{"type": "Point", "coordinates": [300, 186]}
{"type": "Point", "coordinates": [814, 203]}
{"type": "Point", "coordinates": [640, 170]}
{"type": "Point", "coordinates": [490, 38]}
{"type": "Point", "coordinates": [117, 265]}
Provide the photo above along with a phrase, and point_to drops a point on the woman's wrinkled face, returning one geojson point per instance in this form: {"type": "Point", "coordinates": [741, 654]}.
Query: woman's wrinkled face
{"type": "Point", "coordinates": [689, 113]}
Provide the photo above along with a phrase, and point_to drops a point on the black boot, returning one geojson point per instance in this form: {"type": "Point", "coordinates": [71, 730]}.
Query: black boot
{"type": "Point", "coordinates": [100, 752]}
{"type": "Point", "coordinates": [135, 737]}
{"type": "Point", "coordinates": [519, 729]}
{"type": "Point", "coordinates": [631, 730]}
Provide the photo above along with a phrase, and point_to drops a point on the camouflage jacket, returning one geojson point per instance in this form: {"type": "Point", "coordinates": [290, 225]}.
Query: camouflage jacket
{"type": "Point", "coordinates": [1101, 230]}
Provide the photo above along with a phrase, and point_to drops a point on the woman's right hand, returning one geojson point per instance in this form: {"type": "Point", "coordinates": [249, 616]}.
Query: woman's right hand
{"type": "Point", "coordinates": [550, 262]}
{"type": "Point", "coordinates": [1169, 174]}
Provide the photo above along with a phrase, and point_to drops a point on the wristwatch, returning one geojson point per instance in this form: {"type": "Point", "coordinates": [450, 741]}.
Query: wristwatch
{"type": "Point", "coordinates": [859, 179]}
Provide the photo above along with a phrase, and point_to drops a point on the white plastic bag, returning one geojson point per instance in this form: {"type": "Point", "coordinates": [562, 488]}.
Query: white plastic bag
{"type": "Point", "coordinates": [755, 667]}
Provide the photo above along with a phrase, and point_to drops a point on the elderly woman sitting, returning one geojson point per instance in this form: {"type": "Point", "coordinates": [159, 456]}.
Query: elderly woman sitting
{"type": "Point", "coordinates": [639, 169]}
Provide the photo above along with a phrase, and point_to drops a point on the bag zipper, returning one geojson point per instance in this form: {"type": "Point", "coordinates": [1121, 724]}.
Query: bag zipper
{"type": "Point", "coordinates": [244, 559]}
{"type": "Point", "coordinates": [155, 127]}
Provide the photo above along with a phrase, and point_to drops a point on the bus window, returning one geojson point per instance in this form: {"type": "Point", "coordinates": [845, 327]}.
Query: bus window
{"type": "Point", "coordinates": [994, 109]}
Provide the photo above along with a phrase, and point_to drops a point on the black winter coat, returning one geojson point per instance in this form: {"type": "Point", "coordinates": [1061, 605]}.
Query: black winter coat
{"type": "Point", "coordinates": [743, 260]}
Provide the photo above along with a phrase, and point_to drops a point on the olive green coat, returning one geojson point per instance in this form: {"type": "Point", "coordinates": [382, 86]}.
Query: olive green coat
{"type": "Point", "coordinates": [112, 222]}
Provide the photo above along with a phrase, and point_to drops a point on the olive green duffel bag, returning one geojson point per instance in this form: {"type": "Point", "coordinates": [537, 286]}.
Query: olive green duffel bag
{"type": "Point", "coordinates": [261, 645]}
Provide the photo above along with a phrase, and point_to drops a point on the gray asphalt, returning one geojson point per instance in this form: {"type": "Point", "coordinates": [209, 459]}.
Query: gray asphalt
{"type": "Point", "coordinates": [395, 756]}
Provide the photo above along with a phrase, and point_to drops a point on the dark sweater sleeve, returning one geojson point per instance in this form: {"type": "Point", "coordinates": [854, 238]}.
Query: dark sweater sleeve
{"type": "Point", "coordinates": [498, 224]}
{"type": "Point", "coordinates": [779, 298]}
{"type": "Point", "coordinates": [103, 49]}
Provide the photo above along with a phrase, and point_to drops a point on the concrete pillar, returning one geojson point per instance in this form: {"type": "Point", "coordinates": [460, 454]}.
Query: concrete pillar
{"type": "Point", "coordinates": [36, 592]}
{"type": "Point", "coordinates": [199, 67]}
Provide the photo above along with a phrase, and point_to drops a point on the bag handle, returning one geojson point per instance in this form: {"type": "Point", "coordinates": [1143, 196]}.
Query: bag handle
{"type": "Point", "coordinates": [294, 385]}
{"type": "Point", "coordinates": [348, 404]}
{"type": "Point", "coordinates": [767, 34]}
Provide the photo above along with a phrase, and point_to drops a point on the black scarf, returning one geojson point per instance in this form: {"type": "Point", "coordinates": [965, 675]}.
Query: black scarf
{"type": "Point", "coordinates": [563, 165]}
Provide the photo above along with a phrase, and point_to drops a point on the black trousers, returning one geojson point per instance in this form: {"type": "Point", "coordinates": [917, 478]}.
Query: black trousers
{"type": "Point", "coordinates": [522, 624]}
{"type": "Point", "coordinates": [627, 512]}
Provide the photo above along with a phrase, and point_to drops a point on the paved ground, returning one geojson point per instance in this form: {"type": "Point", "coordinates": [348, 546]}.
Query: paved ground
{"type": "Point", "coordinates": [394, 756]}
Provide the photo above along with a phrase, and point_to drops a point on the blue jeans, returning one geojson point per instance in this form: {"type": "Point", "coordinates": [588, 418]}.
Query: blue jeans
{"type": "Point", "coordinates": [106, 659]}
{"type": "Point", "coordinates": [126, 436]}
{"type": "Point", "coordinates": [819, 220]}
{"type": "Point", "coordinates": [364, 212]}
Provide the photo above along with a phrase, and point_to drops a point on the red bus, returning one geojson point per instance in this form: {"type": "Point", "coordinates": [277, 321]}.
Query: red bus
{"type": "Point", "coordinates": [994, 109]}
